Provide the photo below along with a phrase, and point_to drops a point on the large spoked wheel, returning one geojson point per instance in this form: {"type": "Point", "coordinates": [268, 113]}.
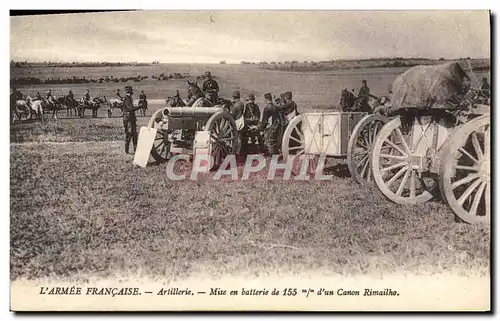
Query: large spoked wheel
{"type": "Point", "coordinates": [398, 167]}
{"type": "Point", "coordinates": [465, 172]}
{"type": "Point", "coordinates": [360, 147]}
{"type": "Point", "coordinates": [293, 144]}
{"type": "Point", "coordinates": [161, 145]}
{"type": "Point", "coordinates": [223, 136]}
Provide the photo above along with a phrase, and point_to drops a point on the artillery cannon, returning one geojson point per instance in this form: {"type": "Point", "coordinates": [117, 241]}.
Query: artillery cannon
{"type": "Point", "coordinates": [187, 130]}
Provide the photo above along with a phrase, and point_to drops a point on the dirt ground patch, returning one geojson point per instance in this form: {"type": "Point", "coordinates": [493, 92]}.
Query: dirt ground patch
{"type": "Point", "coordinates": [82, 208]}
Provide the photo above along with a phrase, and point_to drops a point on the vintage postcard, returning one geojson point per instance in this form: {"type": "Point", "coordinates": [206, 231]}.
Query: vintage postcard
{"type": "Point", "coordinates": [250, 160]}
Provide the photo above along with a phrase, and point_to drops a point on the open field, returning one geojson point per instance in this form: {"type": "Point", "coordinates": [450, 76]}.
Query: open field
{"type": "Point", "coordinates": [79, 208]}
{"type": "Point", "coordinates": [312, 89]}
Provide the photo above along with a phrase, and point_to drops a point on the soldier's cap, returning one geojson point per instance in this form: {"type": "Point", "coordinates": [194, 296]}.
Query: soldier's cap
{"type": "Point", "coordinates": [236, 94]}
{"type": "Point", "coordinates": [251, 97]}
{"type": "Point", "coordinates": [363, 81]}
{"type": "Point", "coordinates": [288, 95]}
{"type": "Point", "coordinates": [268, 96]}
{"type": "Point", "coordinates": [207, 73]}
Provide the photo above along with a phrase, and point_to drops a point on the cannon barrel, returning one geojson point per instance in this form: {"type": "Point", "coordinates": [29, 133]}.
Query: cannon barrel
{"type": "Point", "coordinates": [190, 111]}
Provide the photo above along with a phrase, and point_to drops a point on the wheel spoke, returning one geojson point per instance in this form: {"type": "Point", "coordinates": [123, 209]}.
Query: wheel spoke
{"type": "Point", "coordinates": [392, 156]}
{"type": "Point", "coordinates": [365, 167]}
{"type": "Point", "coordinates": [396, 176]}
{"type": "Point", "coordinates": [468, 192]}
{"type": "Point", "coordinates": [398, 165]}
{"type": "Point", "coordinates": [295, 139]}
{"type": "Point", "coordinates": [403, 183]}
{"type": "Point", "coordinates": [487, 144]}
{"type": "Point", "coordinates": [477, 146]}
{"type": "Point", "coordinates": [362, 161]}
{"type": "Point", "coordinates": [374, 131]}
{"type": "Point", "coordinates": [463, 151]}
{"type": "Point", "coordinates": [400, 134]}
{"type": "Point", "coordinates": [477, 198]}
{"type": "Point", "coordinates": [465, 180]}
{"type": "Point", "coordinates": [412, 184]}
{"type": "Point", "coordinates": [466, 168]}
{"type": "Point", "coordinates": [300, 153]}
{"type": "Point", "coordinates": [295, 148]}
{"type": "Point", "coordinates": [396, 147]}
{"type": "Point", "coordinates": [299, 132]}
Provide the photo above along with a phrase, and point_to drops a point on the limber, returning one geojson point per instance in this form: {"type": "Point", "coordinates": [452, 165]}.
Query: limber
{"type": "Point", "coordinates": [253, 164]}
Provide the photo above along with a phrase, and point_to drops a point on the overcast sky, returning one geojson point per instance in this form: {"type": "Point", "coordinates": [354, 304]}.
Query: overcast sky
{"type": "Point", "coordinates": [209, 37]}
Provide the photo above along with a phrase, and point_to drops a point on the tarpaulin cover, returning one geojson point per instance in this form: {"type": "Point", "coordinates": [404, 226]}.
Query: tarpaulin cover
{"type": "Point", "coordinates": [428, 86]}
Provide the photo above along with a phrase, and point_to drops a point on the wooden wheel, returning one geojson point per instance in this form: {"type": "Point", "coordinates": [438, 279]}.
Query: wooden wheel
{"type": "Point", "coordinates": [465, 171]}
{"type": "Point", "coordinates": [293, 145]}
{"type": "Point", "coordinates": [161, 145]}
{"type": "Point", "coordinates": [224, 136]}
{"type": "Point", "coordinates": [360, 147]}
{"type": "Point", "coordinates": [399, 164]}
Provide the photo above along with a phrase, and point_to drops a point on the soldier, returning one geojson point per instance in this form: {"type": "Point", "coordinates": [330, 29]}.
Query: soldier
{"type": "Point", "coordinates": [363, 94]}
{"type": "Point", "coordinates": [118, 95]}
{"type": "Point", "coordinates": [38, 96]}
{"type": "Point", "coordinates": [71, 96]}
{"type": "Point", "coordinates": [271, 123]}
{"type": "Point", "coordinates": [211, 88]}
{"type": "Point", "coordinates": [129, 119]}
{"type": "Point", "coordinates": [49, 96]}
{"type": "Point", "coordinates": [288, 107]}
{"type": "Point", "coordinates": [142, 96]}
{"type": "Point", "coordinates": [16, 95]}
{"type": "Point", "coordinates": [86, 97]}
{"type": "Point", "coordinates": [252, 117]}
{"type": "Point", "coordinates": [237, 111]}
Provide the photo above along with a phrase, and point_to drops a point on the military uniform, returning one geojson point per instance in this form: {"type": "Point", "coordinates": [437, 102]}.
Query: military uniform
{"type": "Point", "coordinates": [252, 117]}
{"type": "Point", "coordinates": [363, 94]}
{"type": "Point", "coordinates": [129, 120]}
{"type": "Point", "coordinates": [211, 89]}
{"type": "Point", "coordinates": [485, 88]}
{"type": "Point", "coordinates": [271, 124]}
{"type": "Point", "coordinates": [288, 107]}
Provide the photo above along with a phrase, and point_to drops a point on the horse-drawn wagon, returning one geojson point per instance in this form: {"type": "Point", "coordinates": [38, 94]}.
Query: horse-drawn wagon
{"type": "Point", "coordinates": [437, 142]}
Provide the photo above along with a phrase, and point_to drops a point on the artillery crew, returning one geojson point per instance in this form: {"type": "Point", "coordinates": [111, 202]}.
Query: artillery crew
{"type": "Point", "coordinates": [211, 88]}
{"type": "Point", "coordinates": [271, 123]}
{"type": "Point", "coordinates": [129, 119]}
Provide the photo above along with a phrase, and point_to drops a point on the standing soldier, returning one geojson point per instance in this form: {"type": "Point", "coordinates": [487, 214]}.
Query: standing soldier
{"type": "Point", "coordinates": [143, 102]}
{"type": "Point", "coordinates": [363, 94]}
{"type": "Point", "coordinates": [237, 111]}
{"type": "Point", "coordinates": [288, 107]}
{"type": "Point", "coordinates": [211, 88]}
{"type": "Point", "coordinates": [252, 117]}
{"type": "Point", "coordinates": [271, 125]}
{"type": "Point", "coordinates": [71, 96]}
{"type": "Point", "coordinates": [129, 119]}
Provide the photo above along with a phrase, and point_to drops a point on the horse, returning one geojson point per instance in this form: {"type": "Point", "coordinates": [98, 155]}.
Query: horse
{"type": "Point", "coordinates": [93, 104]}
{"type": "Point", "coordinates": [196, 96]}
{"type": "Point", "coordinates": [143, 106]}
{"type": "Point", "coordinates": [175, 101]}
{"type": "Point", "coordinates": [350, 103]}
{"type": "Point", "coordinates": [54, 105]}
{"type": "Point", "coordinates": [20, 108]}
{"type": "Point", "coordinates": [35, 108]}
{"type": "Point", "coordinates": [114, 103]}
{"type": "Point", "coordinates": [71, 105]}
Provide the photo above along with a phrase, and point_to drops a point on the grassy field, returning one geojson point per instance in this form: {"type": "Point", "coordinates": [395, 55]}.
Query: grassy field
{"type": "Point", "coordinates": [79, 208]}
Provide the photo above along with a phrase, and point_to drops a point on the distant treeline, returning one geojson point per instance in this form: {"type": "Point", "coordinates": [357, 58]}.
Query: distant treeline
{"type": "Point", "coordinates": [105, 79]}
{"type": "Point", "coordinates": [19, 64]}
{"type": "Point", "coordinates": [477, 64]}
